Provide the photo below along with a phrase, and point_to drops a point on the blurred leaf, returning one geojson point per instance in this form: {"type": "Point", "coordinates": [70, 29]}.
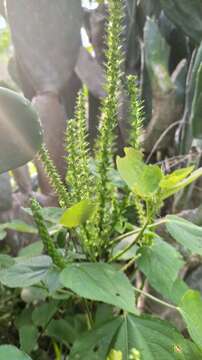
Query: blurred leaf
{"type": "Point", "coordinates": [78, 214]}
{"type": "Point", "coordinates": [43, 313]}
{"type": "Point", "coordinates": [21, 226]}
{"type": "Point", "coordinates": [157, 53]}
{"type": "Point", "coordinates": [6, 261]}
{"type": "Point", "coordinates": [28, 338]}
{"type": "Point", "coordinates": [34, 249]}
{"type": "Point", "coordinates": [196, 114]}
{"type": "Point", "coordinates": [179, 11]}
{"type": "Point", "coordinates": [186, 233]}
{"type": "Point", "coordinates": [191, 310]}
{"type": "Point", "coordinates": [99, 282]}
{"type": "Point", "coordinates": [26, 272]}
{"type": "Point", "coordinates": [21, 133]}
{"type": "Point", "coordinates": [165, 193]}
{"type": "Point", "coordinates": [9, 352]}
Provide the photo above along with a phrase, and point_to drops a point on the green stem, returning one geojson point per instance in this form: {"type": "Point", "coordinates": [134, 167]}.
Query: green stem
{"type": "Point", "coordinates": [117, 256]}
{"type": "Point", "coordinates": [155, 299]}
{"type": "Point", "coordinates": [131, 262]}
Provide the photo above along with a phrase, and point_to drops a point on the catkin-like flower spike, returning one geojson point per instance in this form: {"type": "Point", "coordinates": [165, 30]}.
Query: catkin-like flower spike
{"type": "Point", "coordinates": [49, 246]}
{"type": "Point", "coordinates": [109, 108]}
{"type": "Point", "coordinates": [71, 159]}
{"type": "Point", "coordinates": [77, 147]}
{"type": "Point", "coordinates": [83, 171]}
{"type": "Point", "coordinates": [54, 177]}
{"type": "Point", "coordinates": [136, 114]}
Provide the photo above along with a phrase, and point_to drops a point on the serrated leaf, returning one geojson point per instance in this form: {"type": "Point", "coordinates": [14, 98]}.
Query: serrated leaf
{"type": "Point", "coordinates": [78, 214]}
{"type": "Point", "coordinates": [28, 338]}
{"type": "Point", "coordinates": [9, 352]}
{"type": "Point", "coordinates": [143, 179]}
{"type": "Point", "coordinates": [191, 310]}
{"type": "Point", "coordinates": [187, 234]}
{"type": "Point", "coordinates": [26, 271]}
{"type": "Point", "coordinates": [161, 264]}
{"type": "Point", "coordinates": [152, 338]}
{"type": "Point", "coordinates": [100, 282]}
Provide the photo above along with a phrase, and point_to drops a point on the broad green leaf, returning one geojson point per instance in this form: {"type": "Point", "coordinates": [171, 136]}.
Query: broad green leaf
{"type": "Point", "coordinates": [43, 313]}
{"type": "Point", "coordinates": [165, 193]}
{"type": "Point", "coordinates": [34, 249]}
{"type": "Point", "coordinates": [100, 282]}
{"type": "Point", "coordinates": [26, 271]}
{"type": "Point", "coordinates": [143, 179]}
{"type": "Point", "coordinates": [175, 177]}
{"type": "Point", "coordinates": [161, 264]}
{"type": "Point", "coordinates": [154, 339]}
{"type": "Point", "coordinates": [9, 352]}
{"type": "Point", "coordinates": [28, 338]}
{"type": "Point", "coordinates": [186, 233]}
{"type": "Point", "coordinates": [191, 310]}
{"type": "Point", "coordinates": [78, 214]}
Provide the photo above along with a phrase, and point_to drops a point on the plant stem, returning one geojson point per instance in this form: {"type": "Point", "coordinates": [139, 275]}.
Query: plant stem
{"type": "Point", "coordinates": [117, 256]}
{"type": "Point", "coordinates": [129, 263]}
{"type": "Point", "coordinates": [88, 315]}
{"type": "Point", "coordinates": [155, 299]}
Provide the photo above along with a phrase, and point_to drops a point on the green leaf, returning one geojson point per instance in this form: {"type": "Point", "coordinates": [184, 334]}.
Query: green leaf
{"type": "Point", "coordinates": [143, 179]}
{"type": "Point", "coordinates": [78, 214]}
{"type": "Point", "coordinates": [161, 264]}
{"type": "Point", "coordinates": [191, 310]}
{"type": "Point", "coordinates": [21, 226]}
{"type": "Point", "coordinates": [43, 313]}
{"type": "Point", "coordinates": [152, 338]}
{"type": "Point", "coordinates": [6, 261]}
{"type": "Point", "coordinates": [28, 338]}
{"type": "Point", "coordinates": [21, 133]}
{"type": "Point", "coordinates": [63, 330]}
{"type": "Point", "coordinates": [34, 249]}
{"type": "Point", "coordinates": [175, 177]}
{"type": "Point", "coordinates": [186, 233]}
{"type": "Point", "coordinates": [181, 11]}
{"type": "Point", "coordinates": [26, 271]}
{"type": "Point", "coordinates": [165, 193]}
{"type": "Point", "coordinates": [197, 107]}
{"type": "Point", "coordinates": [100, 282]}
{"type": "Point", "coordinates": [9, 352]}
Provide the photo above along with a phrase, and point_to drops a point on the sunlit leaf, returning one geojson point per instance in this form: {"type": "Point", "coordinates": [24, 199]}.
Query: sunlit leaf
{"type": "Point", "coordinates": [78, 214]}
{"type": "Point", "coordinates": [165, 193]}
{"type": "Point", "coordinates": [175, 177]}
{"type": "Point", "coordinates": [143, 179]}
